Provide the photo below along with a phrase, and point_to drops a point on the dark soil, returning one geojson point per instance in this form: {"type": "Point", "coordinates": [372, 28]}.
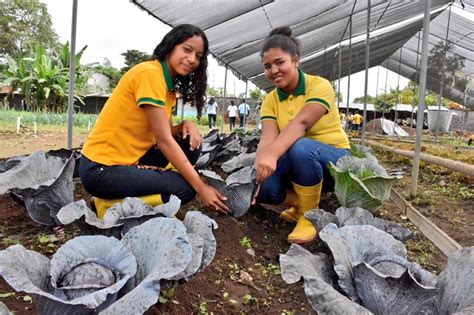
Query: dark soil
{"type": "Point", "coordinates": [444, 197]}
{"type": "Point", "coordinates": [238, 282]}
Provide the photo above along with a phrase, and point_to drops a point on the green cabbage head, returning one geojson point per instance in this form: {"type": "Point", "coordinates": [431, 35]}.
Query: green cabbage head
{"type": "Point", "coordinates": [361, 182]}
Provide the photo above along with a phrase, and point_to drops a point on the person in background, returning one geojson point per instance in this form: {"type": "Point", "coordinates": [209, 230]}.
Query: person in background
{"type": "Point", "coordinates": [212, 112]}
{"type": "Point", "coordinates": [301, 134]}
{"type": "Point", "coordinates": [232, 110]}
{"type": "Point", "coordinates": [356, 125]}
{"type": "Point", "coordinates": [134, 150]}
{"type": "Point", "coordinates": [244, 111]}
{"type": "Point", "coordinates": [342, 117]}
{"type": "Point", "coordinates": [350, 116]}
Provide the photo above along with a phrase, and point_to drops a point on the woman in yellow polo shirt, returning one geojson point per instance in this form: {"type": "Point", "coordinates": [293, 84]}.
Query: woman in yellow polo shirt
{"type": "Point", "coordinates": [134, 150]}
{"type": "Point", "coordinates": [301, 134]}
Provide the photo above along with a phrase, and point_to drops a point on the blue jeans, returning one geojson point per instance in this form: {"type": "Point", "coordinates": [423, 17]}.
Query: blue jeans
{"type": "Point", "coordinates": [305, 164]}
{"type": "Point", "coordinates": [120, 181]}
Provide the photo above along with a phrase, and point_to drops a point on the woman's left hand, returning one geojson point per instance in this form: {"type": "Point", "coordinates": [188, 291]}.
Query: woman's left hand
{"type": "Point", "coordinates": [190, 130]}
{"type": "Point", "coordinates": [265, 165]}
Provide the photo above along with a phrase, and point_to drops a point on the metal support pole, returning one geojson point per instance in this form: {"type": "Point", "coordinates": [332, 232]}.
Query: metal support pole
{"type": "Point", "coordinates": [367, 60]}
{"type": "Point", "coordinates": [398, 90]}
{"type": "Point", "coordinates": [72, 75]}
{"type": "Point", "coordinates": [376, 95]}
{"type": "Point", "coordinates": [385, 91]}
{"type": "Point", "coordinates": [350, 67]}
{"type": "Point", "coordinates": [421, 106]}
{"type": "Point", "coordinates": [223, 100]}
{"type": "Point", "coordinates": [443, 74]}
{"type": "Point", "coordinates": [245, 102]}
{"type": "Point", "coordinates": [416, 79]}
{"type": "Point", "coordinates": [339, 77]}
{"type": "Point", "coordinates": [464, 114]}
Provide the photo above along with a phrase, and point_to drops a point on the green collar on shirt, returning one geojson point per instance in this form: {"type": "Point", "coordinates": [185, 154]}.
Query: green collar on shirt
{"type": "Point", "coordinates": [168, 78]}
{"type": "Point", "coordinates": [300, 88]}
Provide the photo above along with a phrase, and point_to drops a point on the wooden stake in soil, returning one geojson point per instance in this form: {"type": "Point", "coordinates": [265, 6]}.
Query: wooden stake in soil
{"type": "Point", "coordinates": [18, 123]}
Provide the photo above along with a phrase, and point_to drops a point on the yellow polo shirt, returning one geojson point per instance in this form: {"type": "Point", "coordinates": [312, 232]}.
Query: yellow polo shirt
{"type": "Point", "coordinates": [314, 90]}
{"type": "Point", "coordinates": [357, 119]}
{"type": "Point", "coordinates": [122, 133]}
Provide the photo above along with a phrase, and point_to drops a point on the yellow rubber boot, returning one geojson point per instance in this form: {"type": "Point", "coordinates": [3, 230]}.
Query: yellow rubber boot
{"type": "Point", "coordinates": [102, 205]}
{"type": "Point", "coordinates": [290, 215]}
{"type": "Point", "coordinates": [171, 168]}
{"type": "Point", "coordinates": [308, 198]}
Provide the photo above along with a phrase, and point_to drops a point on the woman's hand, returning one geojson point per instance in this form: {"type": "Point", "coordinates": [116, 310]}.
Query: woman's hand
{"type": "Point", "coordinates": [212, 199]}
{"type": "Point", "coordinates": [265, 164]}
{"type": "Point", "coordinates": [190, 130]}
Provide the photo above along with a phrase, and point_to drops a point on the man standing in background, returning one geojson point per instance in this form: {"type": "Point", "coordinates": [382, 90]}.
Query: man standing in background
{"type": "Point", "coordinates": [244, 110]}
{"type": "Point", "coordinates": [357, 120]}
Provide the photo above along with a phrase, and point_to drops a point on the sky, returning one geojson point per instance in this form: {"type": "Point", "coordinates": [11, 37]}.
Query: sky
{"type": "Point", "coordinates": [110, 27]}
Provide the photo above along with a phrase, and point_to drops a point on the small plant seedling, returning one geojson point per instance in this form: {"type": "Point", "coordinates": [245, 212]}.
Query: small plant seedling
{"type": "Point", "coordinates": [286, 312]}
{"type": "Point", "coordinates": [7, 241]}
{"type": "Point", "coordinates": [234, 267]}
{"type": "Point", "coordinates": [274, 268]}
{"type": "Point", "coordinates": [168, 295]}
{"type": "Point", "coordinates": [7, 295]}
{"type": "Point", "coordinates": [43, 239]}
{"type": "Point", "coordinates": [202, 308]}
{"type": "Point", "coordinates": [245, 242]}
{"type": "Point", "coordinates": [27, 298]}
{"type": "Point", "coordinates": [247, 298]}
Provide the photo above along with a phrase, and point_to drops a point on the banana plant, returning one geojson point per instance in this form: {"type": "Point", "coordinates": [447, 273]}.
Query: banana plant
{"type": "Point", "coordinates": [44, 80]}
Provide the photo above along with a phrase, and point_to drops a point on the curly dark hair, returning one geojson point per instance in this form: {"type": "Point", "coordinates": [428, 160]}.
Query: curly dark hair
{"type": "Point", "coordinates": [193, 86]}
{"type": "Point", "coordinates": [281, 37]}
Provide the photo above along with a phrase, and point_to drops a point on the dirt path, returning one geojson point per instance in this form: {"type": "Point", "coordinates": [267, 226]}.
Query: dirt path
{"type": "Point", "coordinates": [26, 142]}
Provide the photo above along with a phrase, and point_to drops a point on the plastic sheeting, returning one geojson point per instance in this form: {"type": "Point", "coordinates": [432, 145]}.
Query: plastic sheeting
{"type": "Point", "coordinates": [236, 31]}
{"type": "Point", "coordinates": [388, 128]}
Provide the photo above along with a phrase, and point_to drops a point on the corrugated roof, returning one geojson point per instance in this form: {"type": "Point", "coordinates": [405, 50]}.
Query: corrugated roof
{"type": "Point", "coordinates": [236, 31]}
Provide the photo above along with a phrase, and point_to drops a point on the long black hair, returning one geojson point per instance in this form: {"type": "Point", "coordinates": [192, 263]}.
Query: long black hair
{"type": "Point", "coordinates": [281, 37]}
{"type": "Point", "coordinates": [193, 86]}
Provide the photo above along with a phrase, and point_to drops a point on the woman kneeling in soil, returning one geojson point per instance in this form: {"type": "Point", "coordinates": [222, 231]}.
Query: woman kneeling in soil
{"type": "Point", "coordinates": [134, 149]}
{"type": "Point", "coordinates": [301, 134]}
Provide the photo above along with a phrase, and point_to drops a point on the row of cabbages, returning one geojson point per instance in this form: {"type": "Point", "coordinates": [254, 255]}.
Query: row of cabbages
{"type": "Point", "coordinates": [97, 273]}
{"type": "Point", "coordinates": [369, 272]}
{"type": "Point", "coordinates": [361, 186]}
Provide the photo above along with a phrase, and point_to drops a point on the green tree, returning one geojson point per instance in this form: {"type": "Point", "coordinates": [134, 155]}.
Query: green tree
{"type": "Point", "coordinates": [443, 63]}
{"type": "Point", "coordinates": [25, 25]}
{"type": "Point", "coordinates": [133, 57]}
{"type": "Point", "coordinates": [360, 99]}
{"type": "Point", "coordinates": [256, 94]}
{"type": "Point", "coordinates": [384, 103]}
{"type": "Point", "coordinates": [81, 73]}
{"type": "Point", "coordinates": [44, 80]}
{"type": "Point", "coordinates": [210, 91]}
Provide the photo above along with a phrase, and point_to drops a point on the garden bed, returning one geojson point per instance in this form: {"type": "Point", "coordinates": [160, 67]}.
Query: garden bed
{"type": "Point", "coordinates": [234, 282]}
{"type": "Point", "coordinates": [239, 281]}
